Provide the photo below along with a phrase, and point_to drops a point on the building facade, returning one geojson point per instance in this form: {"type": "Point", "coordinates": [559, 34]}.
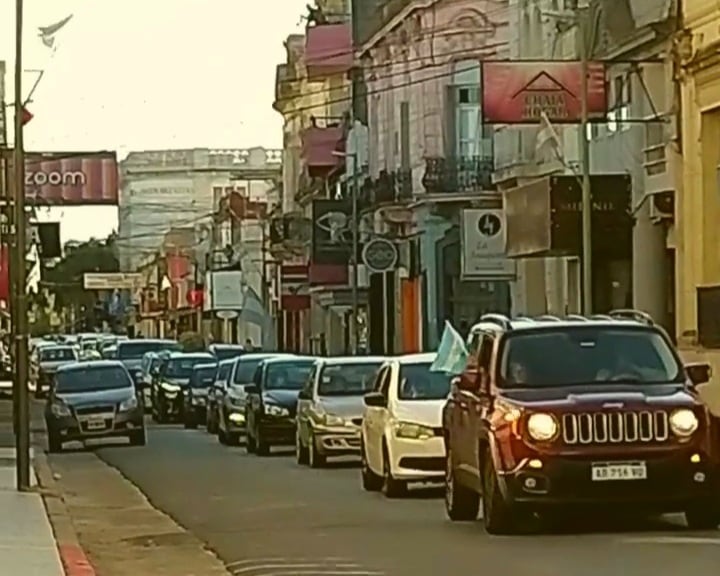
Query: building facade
{"type": "Point", "coordinates": [698, 263]}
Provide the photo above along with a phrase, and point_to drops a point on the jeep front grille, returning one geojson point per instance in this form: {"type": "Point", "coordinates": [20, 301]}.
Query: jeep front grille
{"type": "Point", "coordinates": [615, 427]}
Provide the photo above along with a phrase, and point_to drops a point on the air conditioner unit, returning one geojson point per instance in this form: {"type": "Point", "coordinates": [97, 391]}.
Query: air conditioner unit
{"type": "Point", "coordinates": [662, 205]}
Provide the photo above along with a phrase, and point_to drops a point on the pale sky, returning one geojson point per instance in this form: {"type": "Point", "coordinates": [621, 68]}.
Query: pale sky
{"type": "Point", "coordinates": [149, 74]}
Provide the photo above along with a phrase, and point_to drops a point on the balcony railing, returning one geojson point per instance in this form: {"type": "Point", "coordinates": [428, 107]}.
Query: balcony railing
{"type": "Point", "coordinates": [457, 175]}
{"type": "Point", "coordinates": [387, 188]}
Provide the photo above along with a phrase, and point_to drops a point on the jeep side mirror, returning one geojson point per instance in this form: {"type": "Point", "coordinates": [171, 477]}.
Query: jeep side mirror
{"type": "Point", "coordinates": [304, 395]}
{"type": "Point", "coordinates": [699, 372]}
{"type": "Point", "coordinates": [251, 389]}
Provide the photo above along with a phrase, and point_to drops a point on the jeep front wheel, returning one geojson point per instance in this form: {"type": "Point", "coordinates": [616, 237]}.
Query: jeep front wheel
{"type": "Point", "coordinates": [497, 512]}
{"type": "Point", "coordinates": [462, 504]}
{"type": "Point", "coordinates": [702, 517]}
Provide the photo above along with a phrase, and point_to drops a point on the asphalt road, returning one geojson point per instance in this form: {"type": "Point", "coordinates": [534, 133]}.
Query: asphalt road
{"type": "Point", "coordinates": [267, 516]}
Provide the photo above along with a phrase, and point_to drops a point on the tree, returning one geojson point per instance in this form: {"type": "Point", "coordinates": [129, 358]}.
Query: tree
{"type": "Point", "coordinates": [192, 342]}
{"type": "Point", "coordinates": [65, 278]}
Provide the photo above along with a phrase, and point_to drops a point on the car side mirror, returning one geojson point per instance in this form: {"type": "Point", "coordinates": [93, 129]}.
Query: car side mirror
{"type": "Point", "coordinates": [699, 373]}
{"type": "Point", "coordinates": [251, 389]}
{"type": "Point", "coordinates": [374, 399]}
{"type": "Point", "coordinates": [304, 395]}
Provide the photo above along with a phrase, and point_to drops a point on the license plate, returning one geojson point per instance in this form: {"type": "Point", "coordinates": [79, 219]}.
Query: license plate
{"type": "Point", "coordinates": [619, 471]}
{"type": "Point", "coordinates": [96, 424]}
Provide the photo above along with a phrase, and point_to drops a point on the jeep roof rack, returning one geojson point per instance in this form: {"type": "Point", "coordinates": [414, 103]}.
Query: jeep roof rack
{"type": "Point", "coordinates": [547, 318]}
{"type": "Point", "coordinates": [601, 317]}
{"type": "Point", "coordinates": [499, 319]}
{"type": "Point", "coordinates": [576, 318]}
{"type": "Point", "coordinates": [630, 314]}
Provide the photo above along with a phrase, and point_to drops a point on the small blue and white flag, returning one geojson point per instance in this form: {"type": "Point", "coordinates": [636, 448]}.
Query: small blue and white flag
{"type": "Point", "coordinates": [452, 354]}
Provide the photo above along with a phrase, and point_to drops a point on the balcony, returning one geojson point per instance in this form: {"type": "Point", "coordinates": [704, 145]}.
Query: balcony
{"type": "Point", "coordinates": [458, 175]}
{"type": "Point", "coordinates": [289, 234]}
{"type": "Point", "coordinates": [319, 147]}
{"type": "Point", "coordinates": [308, 187]}
{"type": "Point", "coordinates": [328, 50]}
{"type": "Point", "coordinates": [389, 188]}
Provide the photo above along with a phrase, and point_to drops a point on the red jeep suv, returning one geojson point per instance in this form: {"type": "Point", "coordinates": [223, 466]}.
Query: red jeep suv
{"type": "Point", "coordinates": [553, 414]}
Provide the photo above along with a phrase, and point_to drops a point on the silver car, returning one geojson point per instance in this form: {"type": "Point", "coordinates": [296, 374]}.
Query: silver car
{"type": "Point", "coordinates": [330, 408]}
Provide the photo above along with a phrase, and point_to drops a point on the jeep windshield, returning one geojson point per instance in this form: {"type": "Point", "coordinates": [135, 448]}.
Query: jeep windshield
{"type": "Point", "coordinates": [582, 355]}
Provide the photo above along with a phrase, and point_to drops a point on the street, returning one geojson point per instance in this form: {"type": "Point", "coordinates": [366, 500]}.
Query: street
{"type": "Point", "coordinates": [268, 516]}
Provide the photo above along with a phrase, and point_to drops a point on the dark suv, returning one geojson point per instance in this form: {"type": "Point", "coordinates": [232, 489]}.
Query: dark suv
{"type": "Point", "coordinates": [556, 414]}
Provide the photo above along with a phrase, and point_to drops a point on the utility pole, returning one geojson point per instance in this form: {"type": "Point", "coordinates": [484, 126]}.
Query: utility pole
{"type": "Point", "coordinates": [355, 244]}
{"type": "Point", "coordinates": [586, 43]}
{"type": "Point", "coordinates": [22, 438]}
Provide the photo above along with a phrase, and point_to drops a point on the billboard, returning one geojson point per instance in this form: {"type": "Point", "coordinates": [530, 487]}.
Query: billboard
{"type": "Point", "coordinates": [111, 281]}
{"type": "Point", "coordinates": [332, 232]}
{"type": "Point", "coordinates": [225, 291]}
{"type": "Point", "coordinates": [71, 178]}
{"type": "Point", "coordinates": [519, 92]}
{"type": "Point", "coordinates": [483, 244]}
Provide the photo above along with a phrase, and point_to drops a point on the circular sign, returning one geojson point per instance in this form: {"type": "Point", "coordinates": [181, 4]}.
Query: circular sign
{"type": "Point", "coordinates": [489, 224]}
{"type": "Point", "coordinates": [380, 255]}
{"type": "Point", "coordinates": [226, 314]}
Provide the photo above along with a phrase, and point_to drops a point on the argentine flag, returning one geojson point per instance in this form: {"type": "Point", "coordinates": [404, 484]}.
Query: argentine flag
{"type": "Point", "coordinates": [452, 354]}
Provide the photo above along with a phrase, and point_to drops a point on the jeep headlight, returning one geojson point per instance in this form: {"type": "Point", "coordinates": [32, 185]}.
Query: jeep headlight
{"type": "Point", "coordinates": [274, 410]}
{"type": "Point", "coordinates": [684, 422]}
{"type": "Point", "coordinates": [172, 388]}
{"type": "Point", "coordinates": [332, 420]}
{"type": "Point", "coordinates": [60, 410]}
{"type": "Point", "coordinates": [129, 404]}
{"type": "Point", "coordinates": [413, 431]}
{"type": "Point", "coordinates": [542, 427]}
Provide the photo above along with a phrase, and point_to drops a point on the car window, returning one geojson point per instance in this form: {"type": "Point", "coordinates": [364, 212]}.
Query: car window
{"type": "Point", "coordinates": [418, 382]}
{"type": "Point", "coordinates": [223, 372]}
{"type": "Point", "coordinates": [203, 377]}
{"type": "Point", "coordinates": [309, 387]}
{"type": "Point", "coordinates": [385, 382]}
{"type": "Point", "coordinates": [92, 378]}
{"type": "Point", "coordinates": [570, 355]}
{"type": "Point", "coordinates": [351, 379]}
{"type": "Point", "coordinates": [181, 368]}
{"type": "Point", "coordinates": [246, 369]}
{"type": "Point", "coordinates": [57, 354]}
{"type": "Point", "coordinates": [286, 375]}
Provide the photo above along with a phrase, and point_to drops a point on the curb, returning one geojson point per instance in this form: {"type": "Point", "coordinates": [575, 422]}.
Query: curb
{"type": "Point", "coordinates": [72, 556]}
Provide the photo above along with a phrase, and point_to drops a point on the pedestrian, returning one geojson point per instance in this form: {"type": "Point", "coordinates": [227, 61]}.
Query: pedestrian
{"type": "Point", "coordinates": [249, 346]}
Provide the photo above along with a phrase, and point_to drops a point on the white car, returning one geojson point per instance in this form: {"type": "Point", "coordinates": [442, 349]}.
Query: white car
{"type": "Point", "coordinates": [402, 438]}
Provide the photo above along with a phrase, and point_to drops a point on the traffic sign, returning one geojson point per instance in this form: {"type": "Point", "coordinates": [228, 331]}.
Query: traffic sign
{"type": "Point", "coordinates": [489, 224]}
{"type": "Point", "coordinates": [380, 255]}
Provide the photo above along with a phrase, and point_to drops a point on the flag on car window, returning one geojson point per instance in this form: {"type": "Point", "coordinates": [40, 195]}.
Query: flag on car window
{"type": "Point", "coordinates": [452, 354]}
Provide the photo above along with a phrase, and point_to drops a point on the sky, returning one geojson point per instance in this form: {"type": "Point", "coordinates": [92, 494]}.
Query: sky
{"type": "Point", "coordinates": [148, 74]}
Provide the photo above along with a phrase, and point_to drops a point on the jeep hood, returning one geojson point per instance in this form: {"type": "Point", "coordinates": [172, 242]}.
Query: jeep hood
{"type": "Point", "coordinates": [598, 394]}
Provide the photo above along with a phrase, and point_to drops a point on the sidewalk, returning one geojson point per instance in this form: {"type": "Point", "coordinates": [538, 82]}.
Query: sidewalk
{"type": "Point", "coordinates": [27, 543]}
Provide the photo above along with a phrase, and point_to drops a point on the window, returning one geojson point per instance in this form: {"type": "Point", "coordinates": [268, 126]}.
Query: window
{"type": "Point", "coordinates": [418, 382]}
{"type": "Point", "coordinates": [287, 375]}
{"type": "Point", "coordinates": [654, 150]}
{"type": "Point", "coordinates": [472, 138]}
{"type": "Point", "coordinates": [347, 379]}
{"type": "Point", "coordinates": [619, 113]}
{"type": "Point", "coordinates": [92, 379]}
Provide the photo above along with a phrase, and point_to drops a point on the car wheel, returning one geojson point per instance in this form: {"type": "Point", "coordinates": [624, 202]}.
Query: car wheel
{"type": "Point", "coordinates": [233, 439]}
{"type": "Point", "coordinates": [54, 443]}
{"type": "Point", "coordinates": [262, 448]}
{"type": "Point", "coordinates": [190, 421]}
{"type": "Point", "coordinates": [371, 482]}
{"type": "Point", "coordinates": [462, 504]}
{"type": "Point", "coordinates": [702, 517]}
{"type": "Point", "coordinates": [391, 487]}
{"type": "Point", "coordinates": [498, 514]}
{"type": "Point", "coordinates": [301, 452]}
{"type": "Point", "coordinates": [138, 438]}
{"type": "Point", "coordinates": [222, 436]}
{"type": "Point", "coordinates": [315, 459]}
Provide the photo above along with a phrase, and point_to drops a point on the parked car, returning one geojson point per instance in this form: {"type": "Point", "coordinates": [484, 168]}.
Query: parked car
{"type": "Point", "coordinates": [598, 411]}
{"type": "Point", "coordinates": [216, 393]}
{"type": "Point", "coordinates": [46, 361]}
{"type": "Point", "coordinates": [271, 405]}
{"type": "Point", "coordinates": [131, 352]}
{"type": "Point", "coordinates": [231, 407]}
{"type": "Point", "coordinates": [195, 394]}
{"type": "Point", "coordinates": [402, 425]}
{"type": "Point", "coordinates": [173, 376]}
{"type": "Point", "coordinates": [330, 408]}
{"type": "Point", "coordinates": [226, 351]}
{"type": "Point", "coordinates": [93, 400]}
{"type": "Point", "coordinates": [6, 376]}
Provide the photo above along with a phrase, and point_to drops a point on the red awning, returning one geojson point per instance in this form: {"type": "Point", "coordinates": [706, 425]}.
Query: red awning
{"type": "Point", "coordinates": [328, 49]}
{"type": "Point", "coordinates": [318, 145]}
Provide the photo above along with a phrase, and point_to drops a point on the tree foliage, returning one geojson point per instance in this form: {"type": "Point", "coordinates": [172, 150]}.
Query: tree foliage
{"type": "Point", "coordinates": [192, 342]}
{"type": "Point", "coordinates": [65, 278]}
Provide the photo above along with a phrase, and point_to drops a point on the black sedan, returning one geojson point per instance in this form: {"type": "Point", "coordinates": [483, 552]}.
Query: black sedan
{"type": "Point", "coordinates": [196, 394]}
{"type": "Point", "coordinates": [92, 400]}
{"type": "Point", "coordinates": [173, 377]}
{"type": "Point", "coordinates": [271, 404]}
